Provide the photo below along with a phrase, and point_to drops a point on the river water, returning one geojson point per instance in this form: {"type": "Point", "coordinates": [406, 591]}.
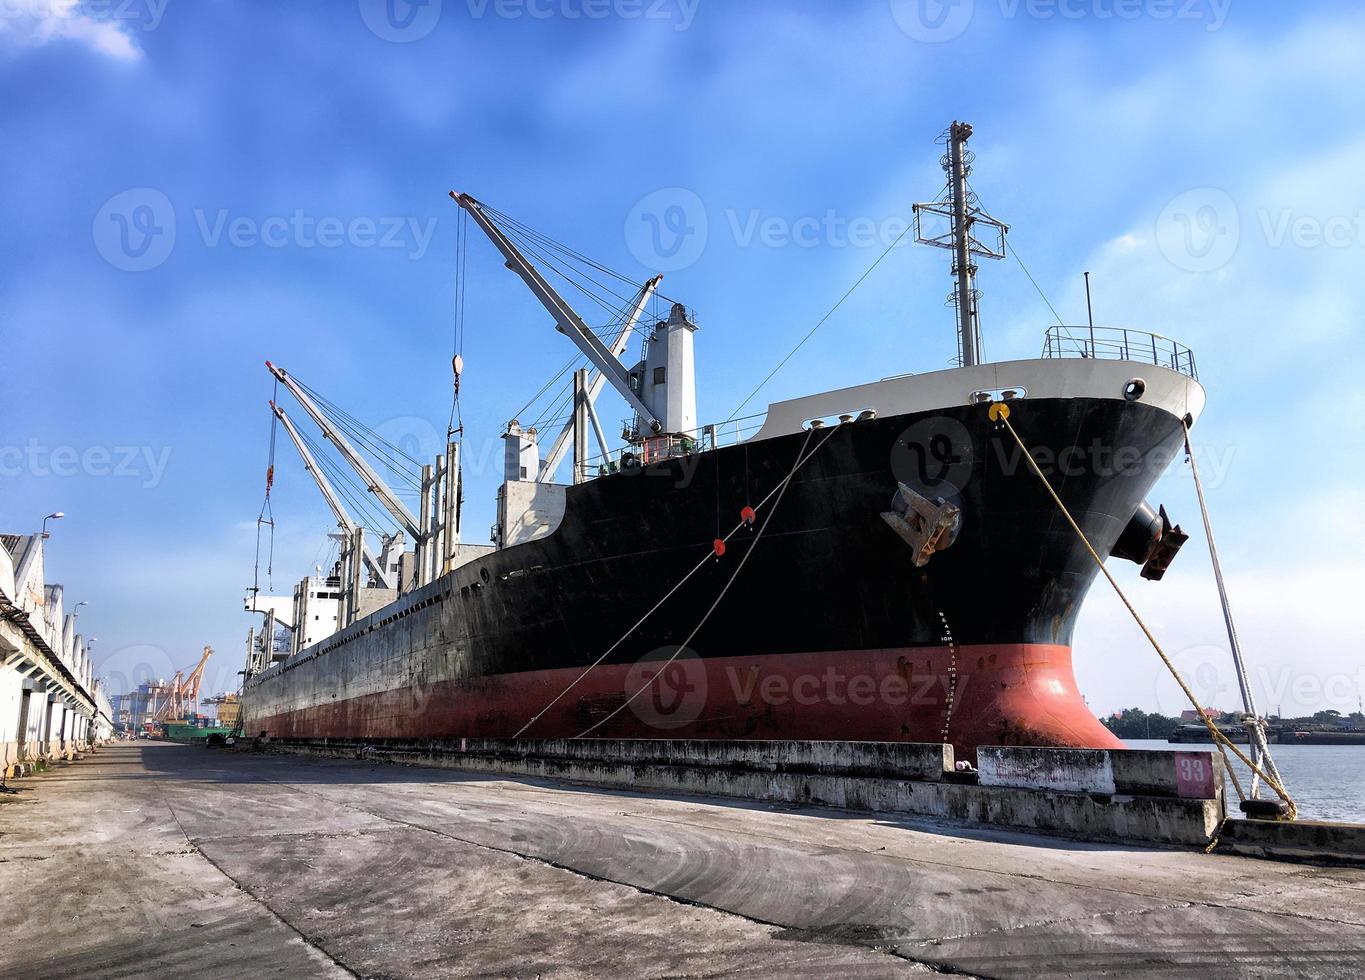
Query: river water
{"type": "Point", "coordinates": [1326, 781]}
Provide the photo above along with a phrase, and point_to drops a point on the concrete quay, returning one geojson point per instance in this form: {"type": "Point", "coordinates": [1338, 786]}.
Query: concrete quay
{"type": "Point", "coordinates": [1095, 794]}
{"type": "Point", "coordinates": [165, 859]}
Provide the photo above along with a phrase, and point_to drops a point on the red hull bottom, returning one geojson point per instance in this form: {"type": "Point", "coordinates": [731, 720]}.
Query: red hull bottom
{"type": "Point", "coordinates": [991, 694]}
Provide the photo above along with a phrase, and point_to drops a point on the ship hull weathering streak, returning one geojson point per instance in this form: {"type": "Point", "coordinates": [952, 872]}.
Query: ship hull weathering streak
{"type": "Point", "coordinates": [836, 627]}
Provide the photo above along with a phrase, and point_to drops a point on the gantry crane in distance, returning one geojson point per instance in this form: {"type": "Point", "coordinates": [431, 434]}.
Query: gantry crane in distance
{"type": "Point", "coordinates": [183, 697]}
{"type": "Point", "coordinates": [228, 708]}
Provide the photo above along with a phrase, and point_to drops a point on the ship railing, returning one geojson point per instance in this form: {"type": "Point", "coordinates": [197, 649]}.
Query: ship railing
{"type": "Point", "coordinates": [1119, 343]}
{"type": "Point", "coordinates": [731, 432]}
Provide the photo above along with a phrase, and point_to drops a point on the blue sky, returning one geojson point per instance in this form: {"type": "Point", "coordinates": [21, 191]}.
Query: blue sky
{"type": "Point", "coordinates": [1201, 159]}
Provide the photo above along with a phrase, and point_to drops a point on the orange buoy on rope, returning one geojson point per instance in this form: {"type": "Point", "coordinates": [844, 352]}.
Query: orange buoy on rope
{"type": "Point", "coordinates": [718, 546]}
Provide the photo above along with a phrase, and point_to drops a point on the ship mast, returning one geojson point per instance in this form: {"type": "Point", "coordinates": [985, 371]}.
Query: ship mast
{"type": "Point", "coordinates": [968, 225]}
{"type": "Point", "coordinates": [968, 326]}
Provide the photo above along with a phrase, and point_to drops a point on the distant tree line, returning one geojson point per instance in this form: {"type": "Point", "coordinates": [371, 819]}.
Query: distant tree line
{"type": "Point", "coordinates": [1325, 719]}
{"type": "Point", "coordinates": [1136, 723]}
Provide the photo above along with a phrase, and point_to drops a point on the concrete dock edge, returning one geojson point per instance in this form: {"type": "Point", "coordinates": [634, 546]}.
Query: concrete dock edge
{"type": "Point", "coordinates": [1318, 841]}
{"type": "Point", "coordinates": [900, 778]}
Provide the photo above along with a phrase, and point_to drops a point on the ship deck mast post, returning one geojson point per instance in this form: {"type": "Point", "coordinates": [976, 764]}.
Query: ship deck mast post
{"type": "Point", "coordinates": [967, 224]}
{"type": "Point", "coordinates": [580, 426]}
{"type": "Point", "coordinates": [450, 498]}
{"type": "Point", "coordinates": [967, 325]}
{"type": "Point", "coordinates": [436, 507]}
{"type": "Point", "coordinates": [596, 422]}
{"type": "Point", "coordinates": [422, 557]}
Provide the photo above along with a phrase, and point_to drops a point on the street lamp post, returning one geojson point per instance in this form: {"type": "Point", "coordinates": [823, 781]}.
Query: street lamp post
{"type": "Point", "coordinates": [56, 515]}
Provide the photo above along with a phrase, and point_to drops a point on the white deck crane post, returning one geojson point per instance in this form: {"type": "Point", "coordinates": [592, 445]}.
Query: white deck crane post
{"type": "Point", "coordinates": [450, 498]}
{"type": "Point", "coordinates": [375, 566]}
{"type": "Point", "coordinates": [596, 380]}
{"type": "Point", "coordinates": [426, 542]}
{"type": "Point", "coordinates": [566, 320]}
{"type": "Point", "coordinates": [591, 412]}
{"type": "Point", "coordinates": [373, 482]}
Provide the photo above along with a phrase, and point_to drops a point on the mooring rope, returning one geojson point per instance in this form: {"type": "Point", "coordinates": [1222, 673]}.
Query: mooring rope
{"type": "Point", "coordinates": [801, 458]}
{"type": "Point", "coordinates": [1261, 750]}
{"type": "Point", "coordinates": [1000, 412]}
{"type": "Point", "coordinates": [781, 492]}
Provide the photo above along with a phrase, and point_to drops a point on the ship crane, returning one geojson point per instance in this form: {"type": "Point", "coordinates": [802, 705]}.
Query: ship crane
{"type": "Point", "coordinates": [375, 566]}
{"type": "Point", "coordinates": [373, 482]}
{"type": "Point", "coordinates": [596, 380]}
{"type": "Point", "coordinates": [568, 322]}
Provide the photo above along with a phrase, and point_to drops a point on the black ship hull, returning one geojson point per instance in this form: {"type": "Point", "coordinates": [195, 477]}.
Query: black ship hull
{"type": "Point", "coordinates": [829, 631]}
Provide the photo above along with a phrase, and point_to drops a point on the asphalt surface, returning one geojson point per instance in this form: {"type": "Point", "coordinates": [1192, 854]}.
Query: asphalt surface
{"type": "Point", "coordinates": [153, 859]}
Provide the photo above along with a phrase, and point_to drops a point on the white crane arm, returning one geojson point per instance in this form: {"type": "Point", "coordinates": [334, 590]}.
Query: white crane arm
{"type": "Point", "coordinates": [333, 501]}
{"type": "Point", "coordinates": [596, 379]}
{"type": "Point", "coordinates": [372, 480]}
{"type": "Point", "coordinates": [569, 322]}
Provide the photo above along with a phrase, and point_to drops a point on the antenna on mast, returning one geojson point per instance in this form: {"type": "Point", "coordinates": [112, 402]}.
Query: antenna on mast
{"type": "Point", "coordinates": [1090, 312]}
{"type": "Point", "coordinates": [959, 206]}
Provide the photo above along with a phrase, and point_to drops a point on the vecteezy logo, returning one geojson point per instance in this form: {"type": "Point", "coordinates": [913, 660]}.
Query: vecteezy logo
{"type": "Point", "coordinates": [1200, 665]}
{"type": "Point", "coordinates": [135, 230]}
{"type": "Point", "coordinates": [666, 230]}
{"type": "Point", "coordinates": [934, 458]}
{"type": "Point", "coordinates": [400, 21]}
{"type": "Point", "coordinates": [932, 21]}
{"type": "Point", "coordinates": [1198, 230]}
{"type": "Point", "coordinates": [668, 694]}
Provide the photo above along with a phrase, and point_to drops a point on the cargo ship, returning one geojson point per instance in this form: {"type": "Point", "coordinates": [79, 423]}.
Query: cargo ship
{"type": "Point", "coordinates": [877, 562]}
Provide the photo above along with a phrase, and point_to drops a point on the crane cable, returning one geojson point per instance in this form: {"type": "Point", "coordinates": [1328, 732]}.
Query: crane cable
{"type": "Point", "coordinates": [456, 425]}
{"type": "Point", "coordinates": [406, 469]}
{"type": "Point", "coordinates": [261, 518]}
{"type": "Point", "coordinates": [820, 323]}
{"type": "Point", "coordinates": [781, 491]}
{"type": "Point", "coordinates": [1014, 254]}
{"type": "Point", "coordinates": [1000, 412]}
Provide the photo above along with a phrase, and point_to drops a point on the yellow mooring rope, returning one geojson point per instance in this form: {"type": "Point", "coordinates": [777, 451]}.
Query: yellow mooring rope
{"type": "Point", "coordinates": [1000, 412]}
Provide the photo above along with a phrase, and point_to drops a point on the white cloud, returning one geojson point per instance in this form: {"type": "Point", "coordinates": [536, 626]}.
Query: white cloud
{"type": "Point", "coordinates": [33, 23]}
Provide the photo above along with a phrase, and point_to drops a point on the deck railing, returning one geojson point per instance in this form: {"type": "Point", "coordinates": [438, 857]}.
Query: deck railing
{"type": "Point", "coordinates": [1119, 343]}
{"type": "Point", "coordinates": [729, 433]}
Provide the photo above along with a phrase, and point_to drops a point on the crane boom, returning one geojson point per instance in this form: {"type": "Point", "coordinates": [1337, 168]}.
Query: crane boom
{"type": "Point", "coordinates": [189, 691]}
{"type": "Point", "coordinates": [597, 379]}
{"type": "Point", "coordinates": [172, 702]}
{"type": "Point", "coordinates": [372, 480]}
{"type": "Point", "coordinates": [338, 511]}
{"type": "Point", "coordinates": [568, 322]}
